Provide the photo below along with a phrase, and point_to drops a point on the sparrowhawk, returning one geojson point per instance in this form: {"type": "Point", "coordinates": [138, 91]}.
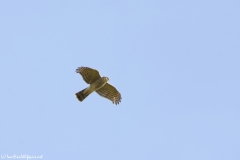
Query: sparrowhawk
{"type": "Point", "coordinates": [98, 84]}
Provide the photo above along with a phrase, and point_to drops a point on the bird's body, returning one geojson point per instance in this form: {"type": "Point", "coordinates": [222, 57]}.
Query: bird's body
{"type": "Point", "coordinates": [93, 87]}
{"type": "Point", "coordinates": [98, 84]}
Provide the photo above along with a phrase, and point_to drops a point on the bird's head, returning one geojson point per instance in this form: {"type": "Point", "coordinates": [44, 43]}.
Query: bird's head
{"type": "Point", "coordinates": [106, 79]}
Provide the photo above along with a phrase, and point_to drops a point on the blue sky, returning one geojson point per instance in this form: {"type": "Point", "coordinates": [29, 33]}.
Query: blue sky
{"type": "Point", "coordinates": [176, 64]}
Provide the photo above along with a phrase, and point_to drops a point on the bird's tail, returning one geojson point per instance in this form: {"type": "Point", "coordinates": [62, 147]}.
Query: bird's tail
{"type": "Point", "coordinates": [80, 95]}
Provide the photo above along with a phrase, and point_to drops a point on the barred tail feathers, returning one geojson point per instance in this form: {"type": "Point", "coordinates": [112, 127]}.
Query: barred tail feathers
{"type": "Point", "coordinates": [80, 95]}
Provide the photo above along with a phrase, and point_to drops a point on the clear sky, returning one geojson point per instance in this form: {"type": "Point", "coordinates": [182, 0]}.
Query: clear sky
{"type": "Point", "coordinates": [176, 64]}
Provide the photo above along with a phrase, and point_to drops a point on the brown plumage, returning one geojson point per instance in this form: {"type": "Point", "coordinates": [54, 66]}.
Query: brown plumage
{"type": "Point", "coordinates": [98, 84]}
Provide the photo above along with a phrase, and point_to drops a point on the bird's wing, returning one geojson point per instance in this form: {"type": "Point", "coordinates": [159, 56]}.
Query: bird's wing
{"type": "Point", "coordinates": [89, 75]}
{"type": "Point", "coordinates": [110, 92]}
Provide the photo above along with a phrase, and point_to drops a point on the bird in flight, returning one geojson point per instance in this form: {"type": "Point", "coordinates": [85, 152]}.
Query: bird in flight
{"type": "Point", "coordinates": [98, 84]}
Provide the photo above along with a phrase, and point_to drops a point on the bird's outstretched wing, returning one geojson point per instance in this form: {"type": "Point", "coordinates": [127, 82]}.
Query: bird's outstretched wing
{"type": "Point", "coordinates": [110, 92]}
{"type": "Point", "coordinates": [89, 75]}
